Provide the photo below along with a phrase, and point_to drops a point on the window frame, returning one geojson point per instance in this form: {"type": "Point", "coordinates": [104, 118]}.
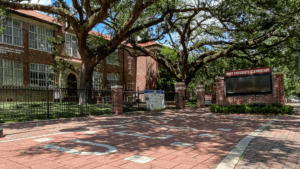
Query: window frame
{"type": "Point", "coordinates": [37, 35]}
{"type": "Point", "coordinates": [12, 33]}
{"type": "Point", "coordinates": [13, 71]}
{"type": "Point", "coordinates": [129, 65]}
{"type": "Point", "coordinates": [97, 75]}
{"type": "Point", "coordinates": [37, 79]}
{"type": "Point", "coordinates": [72, 55]}
{"type": "Point", "coordinates": [115, 79]}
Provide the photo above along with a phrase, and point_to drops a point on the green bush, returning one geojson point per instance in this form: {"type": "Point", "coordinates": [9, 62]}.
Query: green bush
{"type": "Point", "coordinates": [225, 109]}
{"type": "Point", "coordinates": [248, 109]}
{"type": "Point", "coordinates": [265, 110]}
{"type": "Point", "coordinates": [241, 109]}
{"type": "Point", "coordinates": [277, 105]}
{"type": "Point", "coordinates": [290, 109]}
{"type": "Point", "coordinates": [219, 109]}
{"type": "Point", "coordinates": [212, 108]}
{"type": "Point", "coordinates": [274, 109]}
{"type": "Point", "coordinates": [232, 109]}
{"type": "Point", "coordinates": [256, 110]}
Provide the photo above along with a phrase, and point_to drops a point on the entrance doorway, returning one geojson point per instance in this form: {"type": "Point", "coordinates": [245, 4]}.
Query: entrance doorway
{"type": "Point", "coordinates": [72, 85]}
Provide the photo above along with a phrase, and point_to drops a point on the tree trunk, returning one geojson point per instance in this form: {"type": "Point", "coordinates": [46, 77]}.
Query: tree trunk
{"type": "Point", "coordinates": [87, 68]}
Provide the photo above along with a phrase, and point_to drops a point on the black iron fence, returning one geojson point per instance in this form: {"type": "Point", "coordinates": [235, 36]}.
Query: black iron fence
{"type": "Point", "coordinates": [133, 100]}
{"type": "Point", "coordinates": [39, 102]}
{"type": "Point", "coordinates": [171, 100]}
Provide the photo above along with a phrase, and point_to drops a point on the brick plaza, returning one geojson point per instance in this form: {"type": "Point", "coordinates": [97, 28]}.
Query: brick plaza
{"type": "Point", "coordinates": [190, 138]}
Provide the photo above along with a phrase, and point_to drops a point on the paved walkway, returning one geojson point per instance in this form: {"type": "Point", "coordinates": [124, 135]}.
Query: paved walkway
{"type": "Point", "coordinates": [277, 147]}
{"type": "Point", "coordinates": [191, 138]}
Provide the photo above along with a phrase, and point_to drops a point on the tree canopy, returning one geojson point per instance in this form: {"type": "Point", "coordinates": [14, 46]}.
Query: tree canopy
{"type": "Point", "coordinates": [251, 30]}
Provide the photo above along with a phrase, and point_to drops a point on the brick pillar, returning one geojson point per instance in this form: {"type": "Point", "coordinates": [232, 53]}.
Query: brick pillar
{"type": "Point", "coordinates": [200, 96]}
{"type": "Point", "coordinates": [220, 91]}
{"type": "Point", "coordinates": [278, 88]}
{"type": "Point", "coordinates": [180, 88]}
{"type": "Point", "coordinates": [117, 99]}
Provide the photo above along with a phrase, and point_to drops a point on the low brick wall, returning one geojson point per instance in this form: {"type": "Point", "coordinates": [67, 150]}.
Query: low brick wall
{"type": "Point", "coordinates": [276, 97]}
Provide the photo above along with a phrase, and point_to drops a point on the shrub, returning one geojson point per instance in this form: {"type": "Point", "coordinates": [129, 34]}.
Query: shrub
{"type": "Point", "coordinates": [284, 110]}
{"type": "Point", "coordinates": [256, 110]}
{"type": "Point", "coordinates": [226, 109]}
{"type": "Point", "coordinates": [290, 109]}
{"type": "Point", "coordinates": [274, 109]}
{"type": "Point", "coordinates": [241, 109]}
{"type": "Point", "coordinates": [212, 108]}
{"type": "Point", "coordinates": [277, 105]}
{"type": "Point", "coordinates": [248, 109]}
{"type": "Point", "coordinates": [232, 109]}
{"type": "Point", "coordinates": [219, 109]}
{"type": "Point", "coordinates": [265, 110]}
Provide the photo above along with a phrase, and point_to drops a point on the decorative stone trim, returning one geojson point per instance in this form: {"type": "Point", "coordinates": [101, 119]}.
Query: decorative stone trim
{"type": "Point", "coordinates": [116, 86]}
{"type": "Point", "coordinates": [180, 88]}
{"type": "Point", "coordinates": [179, 83]}
{"type": "Point", "coordinates": [219, 77]}
{"type": "Point", "coordinates": [278, 73]}
{"type": "Point", "coordinates": [200, 86]}
{"type": "Point", "coordinates": [200, 90]}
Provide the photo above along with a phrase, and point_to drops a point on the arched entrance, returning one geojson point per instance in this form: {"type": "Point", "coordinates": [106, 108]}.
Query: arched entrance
{"type": "Point", "coordinates": [72, 85]}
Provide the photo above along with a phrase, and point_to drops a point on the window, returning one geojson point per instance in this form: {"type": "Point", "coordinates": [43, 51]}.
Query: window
{"type": "Point", "coordinates": [112, 79]}
{"type": "Point", "coordinates": [113, 58]}
{"type": "Point", "coordinates": [71, 45]}
{"type": "Point", "coordinates": [38, 38]}
{"type": "Point", "coordinates": [40, 75]}
{"type": "Point", "coordinates": [129, 65]}
{"type": "Point", "coordinates": [97, 81]}
{"type": "Point", "coordinates": [12, 33]}
{"type": "Point", "coordinates": [11, 72]}
{"type": "Point", "coordinates": [130, 86]}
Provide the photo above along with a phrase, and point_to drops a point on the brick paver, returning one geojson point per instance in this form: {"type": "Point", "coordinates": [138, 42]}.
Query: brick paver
{"type": "Point", "coordinates": [276, 147]}
{"type": "Point", "coordinates": [206, 152]}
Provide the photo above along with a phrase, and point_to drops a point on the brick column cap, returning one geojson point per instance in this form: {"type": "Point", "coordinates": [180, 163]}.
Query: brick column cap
{"type": "Point", "coordinates": [278, 73]}
{"type": "Point", "coordinates": [200, 86]}
{"type": "Point", "coordinates": [219, 77]}
{"type": "Point", "coordinates": [116, 86]}
{"type": "Point", "coordinates": [179, 83]}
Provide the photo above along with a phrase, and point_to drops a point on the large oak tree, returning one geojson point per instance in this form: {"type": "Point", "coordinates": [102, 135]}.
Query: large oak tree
{"type": "Point", "coordinates": [245, 29]}
{"type": "Point", "coordinates": [121, 18]}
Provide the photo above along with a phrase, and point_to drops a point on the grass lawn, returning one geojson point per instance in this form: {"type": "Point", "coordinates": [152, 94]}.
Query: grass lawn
{"type": "Point", "coordinates": [38, 110]}
{"type": "Point", "coordinates": [191, 104]}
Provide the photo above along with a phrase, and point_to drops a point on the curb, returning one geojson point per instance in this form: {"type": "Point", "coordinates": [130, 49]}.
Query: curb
{"type": "Point", "coordinates": [234, 155]}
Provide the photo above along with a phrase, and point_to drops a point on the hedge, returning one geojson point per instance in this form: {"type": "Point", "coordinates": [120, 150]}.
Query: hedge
{"type": "Point", "coordinates": [263, 108]}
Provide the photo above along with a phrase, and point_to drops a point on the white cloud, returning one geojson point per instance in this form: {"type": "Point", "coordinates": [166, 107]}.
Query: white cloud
{"type": "Point", "coordinates": [41, 2]}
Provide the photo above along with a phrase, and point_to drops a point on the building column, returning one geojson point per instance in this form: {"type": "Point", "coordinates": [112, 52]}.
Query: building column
{"type": "Point", "coordinates": [220, 91]}
{"type": "Point", "coordinates": [180, 88]}
{"type": "Point", "coordinates": [278, 88]}
{"type": "Point", "coordinates": [200, 96]}
{"type": "Point", "coordinates": [117, 99]}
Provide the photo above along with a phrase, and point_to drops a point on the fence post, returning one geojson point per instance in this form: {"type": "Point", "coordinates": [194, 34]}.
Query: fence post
{"type": "Point", "coordinates": [117, 99]}
{"type": "Point", "coordinates": [180, 88]}
{"type": "Point", "coordinates": [200, 96]}
{"type": "Point", "coordinates": [47, 99]}
{"type": "Point", "coordinates": [85, 100]}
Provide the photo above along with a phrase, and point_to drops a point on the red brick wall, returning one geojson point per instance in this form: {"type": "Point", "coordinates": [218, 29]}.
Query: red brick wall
{"type": "Point", "coordinates": [200, 96]}
{"type": "Point", "coordinates": [144, 69]}
{"type": "Point", "coordinates": [276, 97]}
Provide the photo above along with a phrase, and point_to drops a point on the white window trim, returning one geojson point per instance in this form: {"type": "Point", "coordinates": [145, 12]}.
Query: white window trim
{"type": "Point", "coordinates": [130, 67]}
{"type": "Point", "coordinates": [71, 34]}
{"type": "Point", "coordinates": [37, 71]}
{"type": "Point", "coordinates": [13, 71]}
{"type": "Point", "coordinates": [37, 33]}
{"type": "Point", "coordinates": [100, 87]}
{"type": "Point", "coordinates": [12, 44]}
{"type": "Point", "coordinates": [107, 79]}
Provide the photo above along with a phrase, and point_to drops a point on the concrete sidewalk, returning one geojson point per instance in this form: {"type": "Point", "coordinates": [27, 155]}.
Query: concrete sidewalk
{"type": "Point", "coordinates": [191, 138]}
